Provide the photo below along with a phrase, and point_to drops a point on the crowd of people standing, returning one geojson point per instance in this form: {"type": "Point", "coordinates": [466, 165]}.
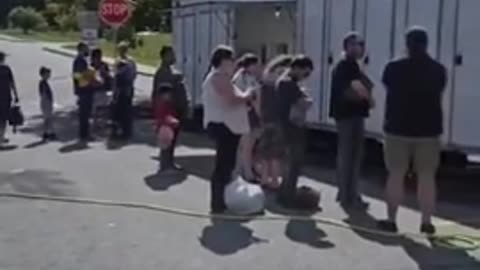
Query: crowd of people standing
{"type": "Point", "coordinates": [257, 116]}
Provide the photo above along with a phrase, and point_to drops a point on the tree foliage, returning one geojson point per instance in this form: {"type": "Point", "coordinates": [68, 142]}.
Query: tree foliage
{"type": "Point", "coordinates": [26, 18]}
{"type": "Point", "coordinates": [151, 14]}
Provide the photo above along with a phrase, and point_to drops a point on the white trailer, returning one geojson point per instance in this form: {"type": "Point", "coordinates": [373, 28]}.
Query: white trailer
{"type": "Point", "coordinates": [317, 27]}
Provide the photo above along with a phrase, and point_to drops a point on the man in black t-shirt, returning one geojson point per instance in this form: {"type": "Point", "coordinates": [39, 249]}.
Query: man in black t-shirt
{"type": "Point", "coordinates": [413, 126]}
{"type": "Point", "coordinates": [82, 80]}
{"type": "Point", "coordinates": [291, 97]}
{"type": "Point", "coordinates": [350, 103]}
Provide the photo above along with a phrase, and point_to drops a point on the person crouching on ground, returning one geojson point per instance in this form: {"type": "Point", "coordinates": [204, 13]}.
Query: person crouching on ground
{"type": "Point", "coordinates": [247, 79]}
{"type": "Point", "coordinates": [271, 148]}
{"type": "Point", "coordinates": [166, 117]}
{"type": "Point", "coordinates": [46, 104]}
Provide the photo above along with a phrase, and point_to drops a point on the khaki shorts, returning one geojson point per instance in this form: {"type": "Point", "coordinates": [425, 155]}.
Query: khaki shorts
{"type": "Point", "coordinates": [424, 153]}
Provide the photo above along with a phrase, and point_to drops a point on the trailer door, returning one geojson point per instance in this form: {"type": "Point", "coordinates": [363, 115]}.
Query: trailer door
{"type": "Point", "coordinates": [341, 14]}
{"type": "Point", "coordinates": [374, 20]}
{"type": "Point", "coordinates": [312, 35]}
{"type": "Point", "coordinates": [466, 95]}
{"type": "Point", "coordinates": [187, 38]}
{"type": "Point", "coordinates": [425, 13]}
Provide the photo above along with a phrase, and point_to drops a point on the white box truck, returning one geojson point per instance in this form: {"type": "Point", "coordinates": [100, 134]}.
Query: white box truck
{"type": "Point", "coordinates": [317, 27]}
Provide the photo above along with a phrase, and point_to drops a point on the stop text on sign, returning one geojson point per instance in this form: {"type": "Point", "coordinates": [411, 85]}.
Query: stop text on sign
{"type": "Point", "coordinates": [115, 9]}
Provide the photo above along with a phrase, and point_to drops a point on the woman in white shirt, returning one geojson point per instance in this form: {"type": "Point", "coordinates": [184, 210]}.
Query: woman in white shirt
{"type": "Point", "coordinates": [226, 119]}
{"type": "Point", "coordinates": [247, 79]}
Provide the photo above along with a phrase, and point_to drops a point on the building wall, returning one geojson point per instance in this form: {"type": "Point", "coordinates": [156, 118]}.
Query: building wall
{"type": "Point", "coordinates": [258, 30]}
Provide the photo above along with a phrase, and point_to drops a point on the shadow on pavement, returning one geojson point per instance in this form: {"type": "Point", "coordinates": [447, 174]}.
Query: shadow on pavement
{"type": "Point", "coordinates": [227, 237]}
{"type": "Point", "coordinates": [308, 233]}
{"type": "Point", "coordinates": [73, 147]}
{"type": "Point", "coordinates": [8, 147]}
{"type": "Point", "coordinates": [43, 182]}
{"type": "Point", "coordinates": [199, 165]}
{"type": "Point", "coordinates": [164, 181]}
{"type": "Point", "coordinates": [426, 254]}
{"type": "Point", "coordinates": [66, 130]}
{"type": "Point", "coordinates": [35, 144]}
{"type": "Point", "coordinates": [65, 123]}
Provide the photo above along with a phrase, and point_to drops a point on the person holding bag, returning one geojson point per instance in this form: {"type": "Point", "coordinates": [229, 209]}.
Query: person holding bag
{"type": "Point", "coordinates": [351, 101]}
{"type": "Point", "coordinates": [7, 88]}
{"type": "Point", "coordinates": [226, 119]}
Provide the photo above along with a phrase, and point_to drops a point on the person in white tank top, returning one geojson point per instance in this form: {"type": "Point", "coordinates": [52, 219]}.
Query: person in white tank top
{"type": "Point", "coordinates": [225, 117]}
{"type": "Point", "coordinates": [247, 79]}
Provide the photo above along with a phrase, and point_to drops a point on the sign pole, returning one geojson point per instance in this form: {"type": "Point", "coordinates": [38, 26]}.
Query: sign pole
{"type": "Point", "coordinates": [115, 52]}
{"type": "Point", "coordinates": [114, 13]}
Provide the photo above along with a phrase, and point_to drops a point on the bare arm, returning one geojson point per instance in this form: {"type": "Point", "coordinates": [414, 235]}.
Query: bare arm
{"type": "Point", "coordinates": [13, 86]}
{"type": "Point", "coordinates": [224, 87]}
{"type": "Point", "coordinates": [361, 90]}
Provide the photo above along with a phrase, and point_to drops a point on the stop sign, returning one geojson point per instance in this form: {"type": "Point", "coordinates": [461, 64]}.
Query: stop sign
{"type": "Point", "coordinates": [114, 13]}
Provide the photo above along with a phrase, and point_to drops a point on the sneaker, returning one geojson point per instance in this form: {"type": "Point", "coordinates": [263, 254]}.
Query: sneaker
{"type": "Point", "coordinates": [387, 226]}
{"type": "Point", "coordinates": [53, 136]}
{"type": "Point", "coordinates": [427, 228]}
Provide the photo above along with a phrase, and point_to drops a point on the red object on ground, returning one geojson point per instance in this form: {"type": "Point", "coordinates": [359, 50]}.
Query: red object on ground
{"type": "Point", "coordinates": [114, 13]}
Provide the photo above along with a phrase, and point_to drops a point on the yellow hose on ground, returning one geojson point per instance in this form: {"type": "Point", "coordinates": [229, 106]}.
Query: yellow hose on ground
{"type": "Point", "coordinates": [450, 241]}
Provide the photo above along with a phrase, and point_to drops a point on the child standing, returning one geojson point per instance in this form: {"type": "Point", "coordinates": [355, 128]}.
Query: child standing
{"type": "Point", "coordinates": [166, 118]}
{"type": "Point", "coordinates": [46, 104]}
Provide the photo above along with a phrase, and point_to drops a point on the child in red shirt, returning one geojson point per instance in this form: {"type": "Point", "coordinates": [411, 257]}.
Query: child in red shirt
{"type": "Point", "coordinates": [166, 118]}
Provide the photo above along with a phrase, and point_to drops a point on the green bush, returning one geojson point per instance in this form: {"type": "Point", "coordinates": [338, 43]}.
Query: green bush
{"type": "Point", "coordinates": [51, 13]}
{"type": "Point", "coordinates": [26, 18]}
{"type": "Point", "coordinates": [67, 22]}
{"type": "Point", "coordinates": [125, 33]}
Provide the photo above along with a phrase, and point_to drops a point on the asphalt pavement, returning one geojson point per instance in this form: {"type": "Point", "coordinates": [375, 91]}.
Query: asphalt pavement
{"type": "Point", "coordinates": [59, 236]}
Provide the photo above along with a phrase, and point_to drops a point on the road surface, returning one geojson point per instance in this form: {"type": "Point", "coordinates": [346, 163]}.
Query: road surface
{"type": "Point", "coordinates": [57, 236]}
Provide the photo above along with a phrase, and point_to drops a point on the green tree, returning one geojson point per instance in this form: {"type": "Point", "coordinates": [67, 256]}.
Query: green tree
{"type": "Point", "coordinates": [151, 14]}
{"type": "Point", "coordinates": [26, 18]}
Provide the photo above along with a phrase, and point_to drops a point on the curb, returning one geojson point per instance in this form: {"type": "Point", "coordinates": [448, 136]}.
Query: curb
{"type": "Point", "coordinates": [71, 54]}
{"type": "Point", "coordinates": [15, 40]}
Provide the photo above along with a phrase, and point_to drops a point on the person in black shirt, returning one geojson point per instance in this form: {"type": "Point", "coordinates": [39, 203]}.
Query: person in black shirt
{"type": "Point", "coordinates": [7, 88]}
{"type": "Point", "coordinates": [124, 92]}
{"type": "Point", "coordinates": [168, 74]}
{"type": "Point", "coordinates": [292, 105]}
{"type": "Point", "coordinates": [84, 90]}
{"type": "Point", "coordinates": [413, 126]}
{"type": "Point", "coordinates": [46, 104]}
{"type": "Point", "coordinates": [350, 103]}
